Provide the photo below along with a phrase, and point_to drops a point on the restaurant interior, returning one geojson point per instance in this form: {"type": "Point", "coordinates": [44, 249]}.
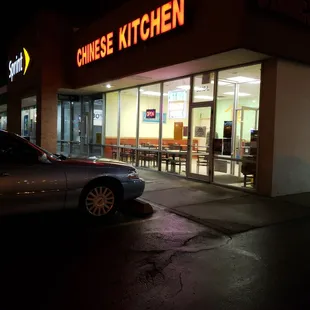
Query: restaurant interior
{"type": "Point", "coordinates": [202, 126]}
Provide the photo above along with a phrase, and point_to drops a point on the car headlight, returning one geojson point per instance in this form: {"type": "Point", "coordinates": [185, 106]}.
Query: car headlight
{"type": "Point", "coordinates": [133, 174]}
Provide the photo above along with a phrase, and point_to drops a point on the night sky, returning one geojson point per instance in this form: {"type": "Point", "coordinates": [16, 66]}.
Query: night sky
{"type": "Point", "coordinates": [81, 15]}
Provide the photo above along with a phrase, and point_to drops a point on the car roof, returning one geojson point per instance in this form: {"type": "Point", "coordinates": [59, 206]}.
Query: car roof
{"type": "Point", "coordinates": [9, 134]}
{"type": "Point", "coordinates": [3, 132]}
{"type": "Point", "coordinates": [6, 133]}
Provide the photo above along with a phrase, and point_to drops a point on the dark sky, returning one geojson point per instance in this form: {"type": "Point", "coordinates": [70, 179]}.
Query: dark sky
{"type": "Point", "coordinates": [79, 13]}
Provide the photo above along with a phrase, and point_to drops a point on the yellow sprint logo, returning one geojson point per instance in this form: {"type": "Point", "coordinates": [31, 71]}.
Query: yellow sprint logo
{"type": "Point", "coordinates": [20, 64]}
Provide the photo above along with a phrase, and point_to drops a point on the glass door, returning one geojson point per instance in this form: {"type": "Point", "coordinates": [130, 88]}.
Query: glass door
{"type": "Point", "coordinates": [86, 126]}
{"type": "Point", "coordinates": [67, 128]}
{"type": "Point", "coordinates": [96, 148]}
{"type": "Point", "coordinates": [200, 137]}
{"type": "Point", "coordinates": [76, 111]}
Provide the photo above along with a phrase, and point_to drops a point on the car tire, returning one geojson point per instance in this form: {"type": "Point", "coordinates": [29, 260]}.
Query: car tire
{"type": "Point", "coordinates": [100, 200]}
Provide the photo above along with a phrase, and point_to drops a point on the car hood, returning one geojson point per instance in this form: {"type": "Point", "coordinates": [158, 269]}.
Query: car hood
{"type": "Point", "coordinates": [93, 161]}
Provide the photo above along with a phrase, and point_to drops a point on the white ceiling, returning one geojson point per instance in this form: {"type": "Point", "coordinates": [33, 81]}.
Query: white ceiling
{"type": "Point", "coordinates": [204, 86]}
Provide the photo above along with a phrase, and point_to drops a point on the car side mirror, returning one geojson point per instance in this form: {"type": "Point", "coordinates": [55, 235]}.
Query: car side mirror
{"type": "Point", "coordinates": [42, 158]}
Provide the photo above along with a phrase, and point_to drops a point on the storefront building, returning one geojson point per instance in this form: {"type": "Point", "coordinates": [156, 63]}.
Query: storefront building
{"type": "Point", "coordinates": [183, 86]}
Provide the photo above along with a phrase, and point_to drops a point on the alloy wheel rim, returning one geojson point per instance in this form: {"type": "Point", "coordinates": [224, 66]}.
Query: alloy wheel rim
{"type": "Point", "coordinates": [100, 201]}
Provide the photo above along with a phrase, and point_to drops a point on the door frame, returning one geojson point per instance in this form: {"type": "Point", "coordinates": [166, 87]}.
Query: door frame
{"type": "Point", "coordinates": [208, 178]}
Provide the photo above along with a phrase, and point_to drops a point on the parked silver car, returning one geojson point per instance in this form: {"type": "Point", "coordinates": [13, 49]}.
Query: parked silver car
{"type": "Point", "coordinates": [32, 179]}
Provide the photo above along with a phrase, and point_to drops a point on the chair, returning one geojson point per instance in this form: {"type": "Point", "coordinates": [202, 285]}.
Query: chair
{"type": "Point", "coordinates": [202, 160]}
{"type": "Point", "coordinates": [248, 168]}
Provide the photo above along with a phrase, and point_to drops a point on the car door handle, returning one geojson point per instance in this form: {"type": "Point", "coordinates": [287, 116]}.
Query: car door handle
{"type": "Point", "coordinates": [4, 174]}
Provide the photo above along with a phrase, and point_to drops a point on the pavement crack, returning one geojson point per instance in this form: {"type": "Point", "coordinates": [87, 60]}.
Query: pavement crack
{"type": "Point", "coordinates": [151, 251]}
{"type": "Point", "coordinates": [155, 261]}
{"type": "Point", "coordinates": [181, 284]}
{"type": "Point", "coordinates": [151, 274]}
{"type": "Point", "coordinates": [189, 240]}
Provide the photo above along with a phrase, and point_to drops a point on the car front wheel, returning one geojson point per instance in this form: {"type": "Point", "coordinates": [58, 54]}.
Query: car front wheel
{"type": "Point", "coordinates": [101, 200]}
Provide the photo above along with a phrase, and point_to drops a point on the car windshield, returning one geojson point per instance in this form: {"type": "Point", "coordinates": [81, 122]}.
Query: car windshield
{"type": "Point", "coordinates": [55, 156]}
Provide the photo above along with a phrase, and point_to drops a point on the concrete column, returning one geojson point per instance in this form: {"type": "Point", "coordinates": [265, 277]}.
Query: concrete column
{"type": "Point", "coordinates": [47, 119]}
{"type": "Point", "coordinates": [267, 127]}
{"type": "Point", "coordinates": [54, 31]}
{"type": "Point", "coordinates": [14, 113]}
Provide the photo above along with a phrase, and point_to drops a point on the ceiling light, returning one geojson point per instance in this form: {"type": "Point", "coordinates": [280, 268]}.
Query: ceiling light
{"type": "Point", "coordinates": [153, 93]}
{"type": "Point", "coordinates": [241, 79]}
{"type": "Point", "coordinates": [108, 86]}
{"type": "Point", "coordinates": [222, 83]}
{"type": "Point", "coordinates": [231, 93]}
{"type": "Point", "coordinates": [187, 87]}
{"type": "Point", "coordinates": [204, 97]}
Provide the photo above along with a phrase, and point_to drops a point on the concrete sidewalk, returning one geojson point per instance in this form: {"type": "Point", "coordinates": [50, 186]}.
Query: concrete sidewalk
{"type": "Point", "coordinates": [226, 210]}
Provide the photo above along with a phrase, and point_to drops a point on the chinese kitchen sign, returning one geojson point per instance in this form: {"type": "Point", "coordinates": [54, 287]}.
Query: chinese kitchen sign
{"type": "Point", "coordinates": [161, 20]}
{"type": "Point", "coordinates": [19, 64]}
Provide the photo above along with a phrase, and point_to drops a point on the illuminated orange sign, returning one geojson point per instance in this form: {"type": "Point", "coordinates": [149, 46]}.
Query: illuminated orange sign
{"type": "Point", "coordinates": [163, 19]}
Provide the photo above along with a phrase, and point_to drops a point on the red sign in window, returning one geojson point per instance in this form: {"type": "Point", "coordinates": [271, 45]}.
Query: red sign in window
{"type": "Point", "coordinates": [151, 113]}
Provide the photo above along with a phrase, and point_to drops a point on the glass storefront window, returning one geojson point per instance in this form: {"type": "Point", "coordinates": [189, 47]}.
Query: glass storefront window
{"type": "Point", "coordinates": [69, 125]}
{"type": "Point", "coordinates": [128, 116]}
{"type": "Point", "coordinates": [203, 87]}
{"type": "Point", "coordinates": [98, 124]}
{"type": "Point", "coordinates": [76, 128]}
{"type": "Point", "coordinates": [59, 121]}
{"type": "Point", "coordinates": [59, 127]}
{"type": "Point", "coordinates": [97, 121]}
{"type": "Point", "coordinates": [76, 122]}
{"type": "Point", "coordinates": [66, 127]}
{"type": "Point", "coordinates": [3, 121]}
{"type": "Point", "coordinates": [175, 125]}
{"type": "Point", "coordinates": [236, 126]}
{"type": "Point", "coordinates": [128, 124]}
{"type": "Point", "coordinates": [149, 115]}
{"type": "Point", "coordinates": [111, 125]}
{"type": "Point", "coordinates": [86, 126]}
{"type": "Point", "coordinates": [3, 117]}
{"type": "Point", "coordinates": [149, 124]}
{"type": "Point", "coordinates": [29, 118]}
{"type": "Point", "coordinates": [80, 125]}
{"type": "Point", "coordinates": [227, 155]}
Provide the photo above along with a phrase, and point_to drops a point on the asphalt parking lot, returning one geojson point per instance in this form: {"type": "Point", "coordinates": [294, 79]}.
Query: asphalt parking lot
{"type": "Point", "coordinates": [61, 260]}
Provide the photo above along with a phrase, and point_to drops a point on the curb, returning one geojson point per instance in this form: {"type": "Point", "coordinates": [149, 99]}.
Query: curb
{"type": "Point", "coordinates": [217, 229]}
{"type": "Point", "coordinates": [139, 208]}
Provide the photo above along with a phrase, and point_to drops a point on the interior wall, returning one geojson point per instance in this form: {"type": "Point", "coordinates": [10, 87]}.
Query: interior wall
{"type": "Point", "coordinates": [291, 163]}
{"type": "Point", "coordinates": [225, 113]}
{"type": "Point", "coordinates": [151, 130]}
{"type": "Point", "coordinates": [128, 117]}
{"type": "Point", "coordinates": [111, 114]}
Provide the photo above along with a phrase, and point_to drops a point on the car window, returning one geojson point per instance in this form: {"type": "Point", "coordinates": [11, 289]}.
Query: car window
{"type": "Point", "coordinates": [16, 151]}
